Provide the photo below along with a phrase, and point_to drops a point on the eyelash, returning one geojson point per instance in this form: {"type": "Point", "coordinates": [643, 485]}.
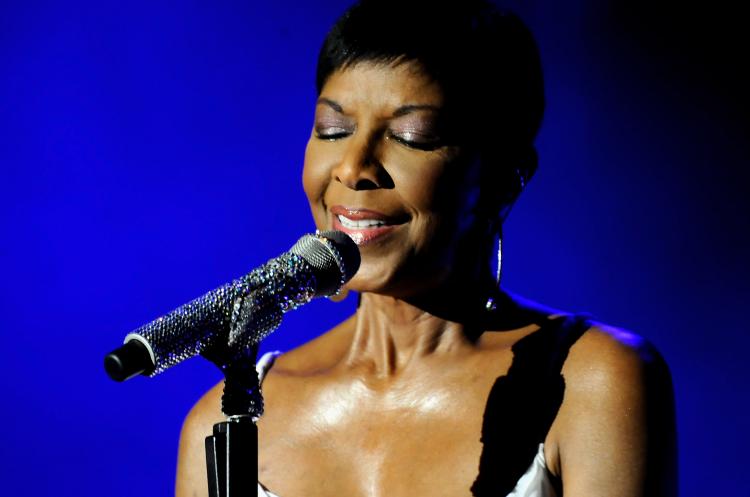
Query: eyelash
{"type": "Point", "coordinates": [425, 146]}
{"type": "Point", "coordinates": [331, 136]}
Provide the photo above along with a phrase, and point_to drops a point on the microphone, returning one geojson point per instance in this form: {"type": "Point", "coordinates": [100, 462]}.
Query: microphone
{"type": "Point", "coordinates": [240, 313]}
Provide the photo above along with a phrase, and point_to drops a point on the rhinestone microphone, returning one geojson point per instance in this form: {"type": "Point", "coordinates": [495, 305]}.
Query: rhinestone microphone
{"type": "Point", "coordinates": [240, 313]}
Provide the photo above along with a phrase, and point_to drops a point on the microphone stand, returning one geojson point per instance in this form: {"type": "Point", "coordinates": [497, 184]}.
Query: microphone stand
{"type": "Point", "coordinates": [232, 449]}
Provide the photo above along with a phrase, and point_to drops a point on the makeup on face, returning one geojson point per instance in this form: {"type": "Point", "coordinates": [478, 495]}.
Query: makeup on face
{"type": "Point", "coordinates": [364, 225]}
{"type": "Point", "coordinates": [414, 126]}
{"type": "Point", "coordinates": [379, 167]}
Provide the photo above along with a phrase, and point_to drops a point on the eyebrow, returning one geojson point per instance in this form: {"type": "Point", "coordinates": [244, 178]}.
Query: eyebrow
{"type": "Point", "coordinates": [330, 103]}
{"type": "Point", "coordinates": [408, 109]}
{"type": "Point", "coordinates": [401, 111]}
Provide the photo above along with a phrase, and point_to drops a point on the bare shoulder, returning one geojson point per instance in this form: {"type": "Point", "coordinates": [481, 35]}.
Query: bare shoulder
{"type": "Point", "coordinates": [301, 361]}
{"type": "Point", "coordinates": [191, 463]}
{"type": "Point", "coordinates": [612, 370]}
{"type": "Point", "coordinates": [607, 357]}
{"type": "Point", "coordinates": [207, 411]}
{"type": "Point", "coordinates": [615, 432]}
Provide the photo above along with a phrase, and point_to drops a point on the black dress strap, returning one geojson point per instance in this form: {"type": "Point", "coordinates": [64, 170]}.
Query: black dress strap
{"type": "Point", "coordinates": [523, 404]}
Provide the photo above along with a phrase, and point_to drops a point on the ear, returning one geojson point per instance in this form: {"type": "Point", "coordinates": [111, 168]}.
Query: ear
{"type": "Point", "coordinates": [503, 180]}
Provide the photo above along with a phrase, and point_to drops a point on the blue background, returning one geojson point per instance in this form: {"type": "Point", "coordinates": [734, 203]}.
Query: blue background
{"type": "Point", "coordinates": [151, 151]}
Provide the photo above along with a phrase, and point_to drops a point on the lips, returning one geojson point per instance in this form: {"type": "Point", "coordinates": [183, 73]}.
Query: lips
{"type": "Point", "coordinates": [364, 225]}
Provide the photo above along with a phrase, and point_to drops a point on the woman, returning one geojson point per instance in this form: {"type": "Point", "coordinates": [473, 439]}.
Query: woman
{"type": "Point", "coordinates": [441, 383]}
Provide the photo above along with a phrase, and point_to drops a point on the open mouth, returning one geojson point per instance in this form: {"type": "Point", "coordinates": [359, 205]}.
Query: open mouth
{"type": "Point", "coordinates": [364, 225]}
{"type": "Point", "coordinates": [352, 224]}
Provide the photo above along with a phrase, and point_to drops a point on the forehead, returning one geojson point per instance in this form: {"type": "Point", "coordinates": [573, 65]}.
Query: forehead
{"type": "Point", "coordinates": [382, 86]}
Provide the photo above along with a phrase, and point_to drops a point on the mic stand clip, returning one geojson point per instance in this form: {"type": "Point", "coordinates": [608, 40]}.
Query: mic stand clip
{"type": "Point", "coordinates": [232, 449]}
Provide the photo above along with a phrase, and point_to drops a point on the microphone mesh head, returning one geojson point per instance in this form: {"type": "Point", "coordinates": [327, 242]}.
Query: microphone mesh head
{"type": "Point", "coordinates": [334, 257]}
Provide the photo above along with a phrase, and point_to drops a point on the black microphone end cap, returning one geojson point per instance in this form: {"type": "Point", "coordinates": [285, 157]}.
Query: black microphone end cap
{"type": "Point", "coordinates": [130, 360]}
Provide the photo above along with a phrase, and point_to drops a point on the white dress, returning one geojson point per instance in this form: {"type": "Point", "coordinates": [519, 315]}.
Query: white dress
{"type": "Point", "coordinates": [534, 483]}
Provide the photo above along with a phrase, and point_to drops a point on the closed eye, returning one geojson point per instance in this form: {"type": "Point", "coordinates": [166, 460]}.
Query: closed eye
{"type": "Point", "coordinates": [331, 133]}
{"type": "Point", "coordinates": [418, 142]}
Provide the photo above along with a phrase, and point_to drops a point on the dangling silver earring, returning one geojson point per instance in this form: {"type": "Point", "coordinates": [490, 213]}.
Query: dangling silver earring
{"type": "Point", "coordinates": [491, 305]}
{"type": "Point", "coordinates": [499, 273]}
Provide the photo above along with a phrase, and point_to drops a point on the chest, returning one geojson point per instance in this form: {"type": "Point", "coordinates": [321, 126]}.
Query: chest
{"type": "Point", "coordinates": [419, 437]}
{"type": "Point", "coordinates": [370, 462]}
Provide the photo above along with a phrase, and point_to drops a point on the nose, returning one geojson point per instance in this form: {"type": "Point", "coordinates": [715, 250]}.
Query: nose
{"type": "Point", "coordinates": [359, 167]}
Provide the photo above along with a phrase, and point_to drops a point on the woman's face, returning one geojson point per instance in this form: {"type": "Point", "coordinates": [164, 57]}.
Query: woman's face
{"type": "Point", "coordinates": [381, 167]}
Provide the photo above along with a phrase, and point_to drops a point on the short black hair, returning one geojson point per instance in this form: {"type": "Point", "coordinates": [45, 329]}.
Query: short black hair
{"type": "Point", "coordinates": [484, 58]}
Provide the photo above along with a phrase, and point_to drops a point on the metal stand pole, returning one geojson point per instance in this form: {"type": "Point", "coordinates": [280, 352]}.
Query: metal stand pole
{"type": "Point", "coordinates": [232, 449]}
{"type": "Point", "coordinates": [232, 459]}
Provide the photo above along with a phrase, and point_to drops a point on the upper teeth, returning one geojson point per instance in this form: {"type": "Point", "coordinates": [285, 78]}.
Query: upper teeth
{"type": "Point", "coordinates": [361, 223]}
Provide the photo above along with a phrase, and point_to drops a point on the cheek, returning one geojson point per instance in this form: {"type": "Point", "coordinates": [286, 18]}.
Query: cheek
{"type": "Point", "coordinates": [315, 179]}
{"type": "Point", "coordinates": [443, 194]}
{"type": "Point", "coordinates": [439, 186]}
{"type": "Point", "coordinates": [456, 193]}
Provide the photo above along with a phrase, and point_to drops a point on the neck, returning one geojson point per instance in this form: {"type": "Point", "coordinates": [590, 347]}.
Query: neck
{"type": "Point", "coordinates": [392, 333]}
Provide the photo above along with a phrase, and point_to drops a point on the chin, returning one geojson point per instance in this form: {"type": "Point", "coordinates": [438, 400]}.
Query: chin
{"type": "Point", "coordinates": [370, 280]}
{"type": "Point", "coordinates": [391, 283]}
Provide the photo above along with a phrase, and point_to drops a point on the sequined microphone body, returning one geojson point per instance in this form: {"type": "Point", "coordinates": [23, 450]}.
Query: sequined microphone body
{"type": "Point", "coordinates": [241, 313]}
